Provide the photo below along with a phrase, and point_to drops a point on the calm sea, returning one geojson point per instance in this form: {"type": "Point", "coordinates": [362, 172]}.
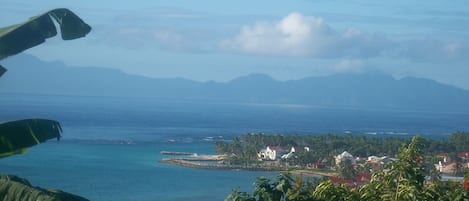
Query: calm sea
{"type": "Point", "coordinates": [111, 145]}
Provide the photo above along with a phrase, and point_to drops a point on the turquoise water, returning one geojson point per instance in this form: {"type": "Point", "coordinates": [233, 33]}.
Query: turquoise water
{"type": "Point", "coordinates": [114, 170]}
{"type": "Point", "coordinates": [112, 145]}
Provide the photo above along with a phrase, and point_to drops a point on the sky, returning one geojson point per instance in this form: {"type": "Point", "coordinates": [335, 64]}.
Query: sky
{"type": "Point", "coordinates": [220, 40]}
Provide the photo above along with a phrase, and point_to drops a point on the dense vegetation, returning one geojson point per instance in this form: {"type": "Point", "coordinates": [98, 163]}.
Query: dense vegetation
{"type": "Point", "coordinates": [244, 149]}
{"type": "Point", "coordinates": [401, 181]}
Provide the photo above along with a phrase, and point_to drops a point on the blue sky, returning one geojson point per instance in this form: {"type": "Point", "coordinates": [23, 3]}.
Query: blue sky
{"type": "Point", "coordinates": [220, 40]}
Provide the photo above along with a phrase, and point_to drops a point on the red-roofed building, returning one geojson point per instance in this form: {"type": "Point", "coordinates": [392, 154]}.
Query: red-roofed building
{"type": "Point", "coordinates": [464, 155]}
{"type": "Point", "coordinates": [444, 156]}
{"type": "Point", "coordinates": [358, 180]}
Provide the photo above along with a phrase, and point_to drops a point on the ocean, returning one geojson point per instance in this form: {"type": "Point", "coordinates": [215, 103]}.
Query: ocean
{"type": "Point", "coordinates": [113, 171]}
{"type": "Point", "coordinates": [111, 145]}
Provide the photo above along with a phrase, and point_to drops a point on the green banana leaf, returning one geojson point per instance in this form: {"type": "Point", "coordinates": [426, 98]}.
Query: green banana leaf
{"type": "Point", "coordinates": [2, 70]}
{"type": "Point", "coordinates": [17, 38]}
{"type": "Point", "coordinates": [17, 136]}
{"type": "Point", "coordinates": [13, 188]}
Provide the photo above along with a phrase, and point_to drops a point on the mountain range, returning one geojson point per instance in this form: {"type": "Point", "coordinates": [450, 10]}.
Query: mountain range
{"type": "Point", "coordinates": [27, 74]}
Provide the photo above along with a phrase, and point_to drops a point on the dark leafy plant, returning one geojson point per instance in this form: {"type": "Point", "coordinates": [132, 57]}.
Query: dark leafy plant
{"type": "Point", "coordinates": [15, 188]}
{"type": "Point", "coordinates": [19, 37]}
{"type": "Point", "coordinates": [17, 136]}
{"type": "Point", "coordinates": [403, 180]}
{"type": "Point", "coordinates": [283, 188]}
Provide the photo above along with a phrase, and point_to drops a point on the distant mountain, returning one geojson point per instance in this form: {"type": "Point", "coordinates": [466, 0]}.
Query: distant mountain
{"type": "Point", "coordinates": [27, 74]}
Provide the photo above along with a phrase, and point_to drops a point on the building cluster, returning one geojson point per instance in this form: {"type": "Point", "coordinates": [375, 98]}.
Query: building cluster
{"type": "Point", "coordinates": [272, 153]}
{"type": "Point", "coordinates": [277, 152]}
{"type": "Point", "coordinates": [448, 165]}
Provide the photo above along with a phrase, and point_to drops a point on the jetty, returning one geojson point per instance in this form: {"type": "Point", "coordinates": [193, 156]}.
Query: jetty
{"type": "Point", "coordinates": [177, 153]}
{"type": "Point", "coordinates": [219, 166]}
{"type": "Point", "coordinates": [215, 162]}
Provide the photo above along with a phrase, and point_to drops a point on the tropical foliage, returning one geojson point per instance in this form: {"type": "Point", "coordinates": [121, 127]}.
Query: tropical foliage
{"type": "Point", "coordinates": [15, 188]}
{"type": "Point", "coordinates": [329, 145]}
{"type": "Point", "coordinates": [403, 180]}
{"type": "Point", "coordinates": [284, 187]}
{"type": "Point", "coordinates": [16, 136]}
{"type": "Point", "coordinates": [19, 37]}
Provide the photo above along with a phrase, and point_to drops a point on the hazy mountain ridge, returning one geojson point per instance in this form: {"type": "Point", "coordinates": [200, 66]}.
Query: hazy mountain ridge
{"type": "Point", "coordinates": [27, 74]}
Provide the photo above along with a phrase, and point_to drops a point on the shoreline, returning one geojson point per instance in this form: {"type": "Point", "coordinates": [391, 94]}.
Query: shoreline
{"type": "Point", "coordinates": [176, 153]}
{"type": "Point", "coordinates": [192, 164]}
{"type": "Point", "coordinates": [215, 162]}
{"type": "Point", "coordinates": [312, 173]}
{"type": "Point", "coordinates": [195, 163]}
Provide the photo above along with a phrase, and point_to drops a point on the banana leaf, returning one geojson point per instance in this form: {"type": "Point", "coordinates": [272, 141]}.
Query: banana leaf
{"type": "Point", "coordinates": [13, 188]}
{"type": "Point", "coordinates": [17, 38]}
{"type": "Point", "coordinates": [17, 136]}
{"type": "Point", "coordinates": [2, 70]}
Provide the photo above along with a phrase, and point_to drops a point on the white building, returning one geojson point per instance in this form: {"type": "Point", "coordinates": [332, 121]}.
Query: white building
{"type": "Point", "coordinates": [270, 153]}
{"type": "Point", "coordinates": [276, 152]}
{"type": "Point", "coordinates": [344, 156]}
{"type": "Point", "coordinates": [290, 154]}
{"type": "Point", "coordinates": [381, 160]}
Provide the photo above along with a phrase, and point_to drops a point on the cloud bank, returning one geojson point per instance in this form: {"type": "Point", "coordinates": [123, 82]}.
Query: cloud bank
{"type": "Point", "coordinates": [294, 35]}
{"type": "Point", "coordinates": [309, 36]}
{"type": "Point", "coordinates": [299, 35]}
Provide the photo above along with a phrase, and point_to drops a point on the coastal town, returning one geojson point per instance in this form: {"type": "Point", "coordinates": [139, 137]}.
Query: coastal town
{"type": "Point", "coordinates": [326, 161]}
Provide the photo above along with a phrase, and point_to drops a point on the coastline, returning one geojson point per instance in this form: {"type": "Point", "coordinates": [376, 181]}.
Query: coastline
{"type": "Point", "coordinates": [202, 164]}
{"type": "Point", "coordinates": [215, 162]}
{"type": "Point", "coordinates": [312, 173]}
{"type": "Point", "coordinates": [195, 163]}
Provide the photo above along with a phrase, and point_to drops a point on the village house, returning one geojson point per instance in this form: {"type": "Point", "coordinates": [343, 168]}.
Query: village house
{"type": "Point", "coordinates": [345, 156]}
{"type": "Point", "coordinates": [448, 165]}
{"type": "Point", "coordinates": [380, 160]}
{"type": "Point", "coordinates": [276, 152]}
{"type": "Point", "coordinates": [464, 156]}
{"type": "Point", "coordinates": [446, 168]}
{"type": "Point", "coordinates": [271, 153]}
{"type": "Point", "coordinates": [444, 157]}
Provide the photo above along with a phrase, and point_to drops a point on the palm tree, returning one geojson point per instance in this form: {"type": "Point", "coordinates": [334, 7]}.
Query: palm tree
{"type": "Point", "coordinates": [346, 169]}
{"type": "Point", "coordinates": [17, 136]}
{"type": "Point", "coordinates": [282, 188]}
{"type": "Point", "coordinates": [403, 180]}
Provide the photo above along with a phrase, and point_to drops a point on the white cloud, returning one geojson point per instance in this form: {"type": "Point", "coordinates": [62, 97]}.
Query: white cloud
{"type": "Point", "coordinates": [291, 36]}
{"type": "Point", "coordinates": [309, 36]}
{"type": "Point", "coordinates": [294, 35]}
{"type": "Point", "coordinates": [299, 35]}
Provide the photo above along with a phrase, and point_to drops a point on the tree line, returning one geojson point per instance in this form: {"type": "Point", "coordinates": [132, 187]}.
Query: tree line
{"type": "Point", "coordinates": [245, 147]}
{"type": "Point", "coordinates": [403, 180]}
